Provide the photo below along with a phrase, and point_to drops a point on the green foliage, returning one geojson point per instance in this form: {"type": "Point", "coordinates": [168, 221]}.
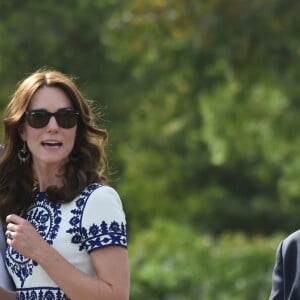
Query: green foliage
{"type": "Point", "coordinates": [199, 118]}
{"type": "Point", "coordinates": [201, 101]}
{"type": "Point", "coordinates": [215, 108]}
{"type": "Point", "coordinates": [170, 261]}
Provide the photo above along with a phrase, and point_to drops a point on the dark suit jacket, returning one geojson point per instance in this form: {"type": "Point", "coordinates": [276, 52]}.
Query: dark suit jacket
{"type": "Point", "coordinates": [286, 273]}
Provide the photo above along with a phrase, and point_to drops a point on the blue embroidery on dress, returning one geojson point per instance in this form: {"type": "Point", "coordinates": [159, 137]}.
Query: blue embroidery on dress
{"type": "Point", "coordinates": [45, 216]}
{"type": "Point", "coordinates": [98, 235]}
{"type": "Point", "coordinates": [41, 294]}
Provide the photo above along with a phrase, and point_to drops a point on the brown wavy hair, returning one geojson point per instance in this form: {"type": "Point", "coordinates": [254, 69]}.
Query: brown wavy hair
{"type": "Point", "coordinates": [87, 163]}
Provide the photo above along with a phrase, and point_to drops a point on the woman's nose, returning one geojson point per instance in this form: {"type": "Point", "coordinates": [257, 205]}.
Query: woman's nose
{"type": "Point", "coordinates": [52, 124]}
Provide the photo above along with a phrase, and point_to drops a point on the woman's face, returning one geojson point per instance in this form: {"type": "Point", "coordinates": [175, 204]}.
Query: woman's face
{"type": "Point", "coordinates": [51, 144]}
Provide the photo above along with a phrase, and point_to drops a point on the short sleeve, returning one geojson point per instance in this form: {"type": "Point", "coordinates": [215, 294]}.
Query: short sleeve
{"type": "Point", "coordinates": [103, 220]}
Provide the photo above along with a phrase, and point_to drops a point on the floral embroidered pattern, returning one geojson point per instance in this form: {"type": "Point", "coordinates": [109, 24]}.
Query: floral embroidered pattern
{"type": "Point", "coordinates": [20, 265]}
{"type": "Point", "coordinates": [97, 235]}
{"type": "Point", "coordinates": [75, 228]}
{"type": "Point", "coordinates": [41, 294]}
{"type": "Point", "coordinates": [104, 235]}
{"type": "Point", "coordinates": [45, 217]}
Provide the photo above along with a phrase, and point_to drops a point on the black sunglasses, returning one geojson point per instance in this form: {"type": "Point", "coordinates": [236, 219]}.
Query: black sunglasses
{"type": "Point", "coordinates": [65, 117]}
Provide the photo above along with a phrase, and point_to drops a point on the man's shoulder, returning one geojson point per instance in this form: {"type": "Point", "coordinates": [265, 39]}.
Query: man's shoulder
{"type": "Point", "coordinates": [292, 240]}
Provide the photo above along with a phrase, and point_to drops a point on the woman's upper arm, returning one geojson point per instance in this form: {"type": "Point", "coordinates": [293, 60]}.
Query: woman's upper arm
{"type": "Point", "coordinates": [111, 265]}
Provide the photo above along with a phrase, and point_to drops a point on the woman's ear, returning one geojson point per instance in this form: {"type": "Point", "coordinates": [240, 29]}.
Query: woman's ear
{"type": "Point", "coordinates": [21, 133]}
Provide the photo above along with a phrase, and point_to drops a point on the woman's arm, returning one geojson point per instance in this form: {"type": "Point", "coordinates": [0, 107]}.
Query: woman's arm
{"type": "Point", "coordinates": [7, 295]}
{"type": "Point", "coordinates": [111, 265]}
{"type": "Point", "coordinates": [112, 271]}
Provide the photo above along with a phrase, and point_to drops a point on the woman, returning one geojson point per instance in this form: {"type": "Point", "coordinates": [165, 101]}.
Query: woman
{"type": "Point", "coordinates": [66, 229]}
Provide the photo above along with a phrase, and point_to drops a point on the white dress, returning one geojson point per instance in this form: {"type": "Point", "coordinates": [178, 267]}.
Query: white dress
{"type": "Point", "coordinates": [95, 219]}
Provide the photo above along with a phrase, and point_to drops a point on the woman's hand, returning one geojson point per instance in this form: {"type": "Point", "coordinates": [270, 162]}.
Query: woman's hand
{"type": "Point", "coordinates": [23, 237]}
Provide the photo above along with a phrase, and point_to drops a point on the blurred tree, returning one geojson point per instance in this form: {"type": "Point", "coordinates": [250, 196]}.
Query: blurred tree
{"type": "Point", "coordinates": [210, 137]}
{"type": "Point", "coordinates": [173, 262]}
{"type": "Point", "coordinates": [201, 102]}
{"type": "Point", "coordinates": [202, 98]}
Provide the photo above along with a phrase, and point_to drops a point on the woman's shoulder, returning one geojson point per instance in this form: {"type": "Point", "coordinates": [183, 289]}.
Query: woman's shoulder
{"type": "Point", "coordinates": [100, 189]}
{"type": "Point", "coordinates": [103, 195]}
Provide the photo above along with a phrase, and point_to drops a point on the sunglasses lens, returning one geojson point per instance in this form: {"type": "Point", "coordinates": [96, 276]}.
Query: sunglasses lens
{"type": "Point", "coordinates": [66, 118]}
{"type": "Point", "coordinates": [38, 119]}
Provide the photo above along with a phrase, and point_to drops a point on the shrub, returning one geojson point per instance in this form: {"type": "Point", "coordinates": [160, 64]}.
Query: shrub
{"type": "Point", "coordinates": [170, 261]}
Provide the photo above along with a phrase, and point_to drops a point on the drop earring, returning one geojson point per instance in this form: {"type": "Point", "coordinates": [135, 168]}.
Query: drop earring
{"type": "Point", "coordinates": [24, 155]}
